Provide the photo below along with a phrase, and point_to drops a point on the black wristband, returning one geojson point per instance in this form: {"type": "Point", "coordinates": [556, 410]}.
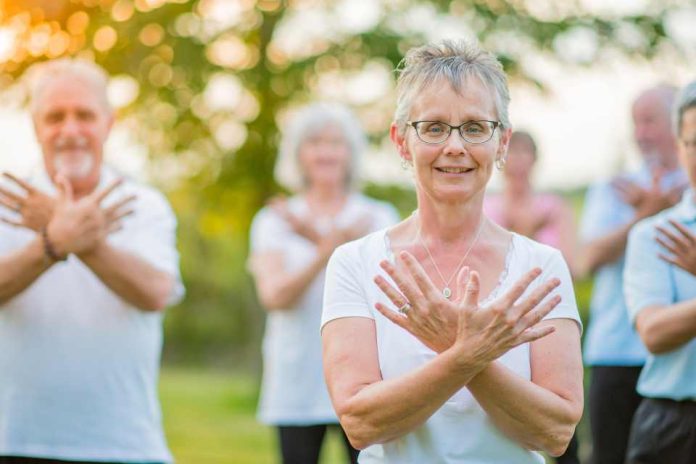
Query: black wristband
{"type": "Point", "coordinates": [49, 251]}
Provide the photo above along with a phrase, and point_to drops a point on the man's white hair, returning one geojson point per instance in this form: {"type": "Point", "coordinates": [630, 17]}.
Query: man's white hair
{"type": "Point", "coordinates": [39, 76]}
{"type": "Point", "coordinates": [309, 121]}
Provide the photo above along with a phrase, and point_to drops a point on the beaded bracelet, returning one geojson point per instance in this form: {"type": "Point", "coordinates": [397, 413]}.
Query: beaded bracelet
{"type": "Point", "coordinates": [49, 251]}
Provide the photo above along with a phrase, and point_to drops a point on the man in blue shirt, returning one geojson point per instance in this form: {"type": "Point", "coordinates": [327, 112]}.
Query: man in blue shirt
{"type": "Point", "coordinates": [612, 348]}
{"type": "Point", "coordinates": [660, 288]}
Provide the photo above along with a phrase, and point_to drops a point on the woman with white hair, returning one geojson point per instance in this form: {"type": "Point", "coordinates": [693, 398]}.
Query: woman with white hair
{"type": "Point", "coordinates": [291, 243]}
{"type": "Point", "coordinates": [448, 339]}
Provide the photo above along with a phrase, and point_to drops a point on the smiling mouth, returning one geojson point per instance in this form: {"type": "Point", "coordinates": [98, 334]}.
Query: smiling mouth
{"type": "Point", "coordinates": [455, 170]}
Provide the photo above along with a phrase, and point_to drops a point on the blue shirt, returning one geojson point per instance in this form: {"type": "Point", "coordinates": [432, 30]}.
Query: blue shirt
{"type": "Point", "coordinates": [650, 281]}
{"type": "Point", "coordinates": [611, 339]}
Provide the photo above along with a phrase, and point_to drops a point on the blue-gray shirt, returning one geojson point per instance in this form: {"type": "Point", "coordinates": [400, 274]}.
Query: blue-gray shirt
{"type": "Point", "coordinates": [650, 281]}
{"type": "Point", "coordinates": [611, 339]}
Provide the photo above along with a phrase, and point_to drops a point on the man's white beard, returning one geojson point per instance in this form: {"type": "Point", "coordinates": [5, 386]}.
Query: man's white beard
{"type": "Point", "coordinates": [73, 158]}
{"type": "Point", "coordinates": [74, 165]}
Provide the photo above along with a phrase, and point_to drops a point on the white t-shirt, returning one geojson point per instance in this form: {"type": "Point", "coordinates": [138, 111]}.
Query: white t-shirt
{"type": "Point", "coordinates": [79, 365]}
{"type": "Point", "coordinates": [460, 431]}
{"type": "Point", "coordinates": [293, 391]}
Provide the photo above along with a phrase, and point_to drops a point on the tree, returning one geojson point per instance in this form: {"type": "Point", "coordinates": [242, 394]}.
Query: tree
{"type": "Point", "coordinates": [206, 83]}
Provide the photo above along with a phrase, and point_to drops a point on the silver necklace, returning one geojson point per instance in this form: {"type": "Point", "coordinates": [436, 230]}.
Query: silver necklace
{"type": "Point", "coordinates": [447, 291]}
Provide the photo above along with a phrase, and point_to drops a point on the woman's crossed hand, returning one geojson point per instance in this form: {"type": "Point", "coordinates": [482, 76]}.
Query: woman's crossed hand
{"type": "Point", "coordinates": [479, 334]}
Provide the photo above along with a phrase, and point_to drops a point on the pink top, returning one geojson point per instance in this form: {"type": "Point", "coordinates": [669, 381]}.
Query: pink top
{"type": "Point", "coordinates": [547, 207]}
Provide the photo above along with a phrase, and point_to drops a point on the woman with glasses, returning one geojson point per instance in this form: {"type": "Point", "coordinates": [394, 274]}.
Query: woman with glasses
{"type": "Point", "coordinates": [291, 241]}
{"type": "Point", "coordinates": [448, 339]}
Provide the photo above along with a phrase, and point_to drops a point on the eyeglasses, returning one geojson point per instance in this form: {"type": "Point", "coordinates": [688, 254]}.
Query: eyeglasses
{"type": "Point", "coordinates": [435, 132]}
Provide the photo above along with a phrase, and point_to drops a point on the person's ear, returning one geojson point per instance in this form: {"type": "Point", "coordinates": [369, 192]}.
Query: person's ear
{"type": "Point", "coordinates": [400, 142]}
{"type": "Point", "coordinates": [503, 145]}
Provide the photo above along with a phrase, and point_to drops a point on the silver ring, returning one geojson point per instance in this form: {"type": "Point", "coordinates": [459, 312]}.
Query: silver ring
{"type": "Point", "coordinates": [405, 308]}
{"type": "Point", "coordinates": [18, 209]}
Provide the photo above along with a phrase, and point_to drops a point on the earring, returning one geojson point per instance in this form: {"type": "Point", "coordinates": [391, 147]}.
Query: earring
{"type": "Point", "coordinates": [405, 164]}
{"type": "Point", "coordinates": [500, 163]}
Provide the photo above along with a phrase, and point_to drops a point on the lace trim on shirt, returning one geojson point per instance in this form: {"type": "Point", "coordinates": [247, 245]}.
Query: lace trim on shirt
{"type": "Point", "coordinates": [501, 278]}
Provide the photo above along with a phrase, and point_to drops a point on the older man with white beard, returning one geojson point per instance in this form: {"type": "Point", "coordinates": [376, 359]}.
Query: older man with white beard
{"type": "Point", "coordinates": [88, 262]}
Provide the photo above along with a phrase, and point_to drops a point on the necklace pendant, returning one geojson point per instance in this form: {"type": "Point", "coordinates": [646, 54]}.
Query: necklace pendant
{"type": "Point", "coordinates": [446, 292]}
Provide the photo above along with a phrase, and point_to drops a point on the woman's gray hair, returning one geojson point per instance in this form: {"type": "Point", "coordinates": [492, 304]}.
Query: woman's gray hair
{"type": "Point", "coordinates": [39, 75]}
{"type": "Point", "coordinates": [310, 121]}
{"type": "Point", "coordinates": [455, 61]}
{"type": "Point", "coordinates": [686, 99]}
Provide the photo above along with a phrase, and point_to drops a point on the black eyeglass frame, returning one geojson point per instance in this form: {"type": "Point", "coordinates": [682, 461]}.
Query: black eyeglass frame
{"type": "Point", "coordinates": [495, 124]}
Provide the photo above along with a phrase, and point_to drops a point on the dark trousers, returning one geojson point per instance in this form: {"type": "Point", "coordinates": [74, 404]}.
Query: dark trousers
{"type": "Point", "coordinates": [24, 460]}
{"type": "Point", "coordinates": [571, 454]}
{"type": "Point", "coordinates": [613, 401]}
{"type": "Point", "coordinates": [663, 431]}
{"type": "Point", "coordinates": [302, 444]}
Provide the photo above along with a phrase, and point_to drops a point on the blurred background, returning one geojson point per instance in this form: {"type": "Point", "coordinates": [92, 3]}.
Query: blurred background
{"type": "Point", "coordinates": [201, 88]}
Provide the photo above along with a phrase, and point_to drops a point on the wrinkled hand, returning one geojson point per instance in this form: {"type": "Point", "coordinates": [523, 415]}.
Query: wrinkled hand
{"type": "Point", "coordinates": [681, 243]}
{"type": "Point", "coordinates": [34, 207]}
{"type": "Point", "coordinates": [631, 193]}
{"type": "Point", "coordinates": [301, 226]}
{"type": "Point", "coordinates": [648, 201]}
{"type": "Point", "coordinates": [481, 334]}
{"type": "Point", "coordinates": [485, 334]}
{"type": "Point", "coordinates": [337, 236]}
{"type": "Point", "coordinates": [78, 226]}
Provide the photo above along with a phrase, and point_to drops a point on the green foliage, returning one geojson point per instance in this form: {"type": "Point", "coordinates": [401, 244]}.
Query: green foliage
{"type": "Point", "coordinates": [173, 50]}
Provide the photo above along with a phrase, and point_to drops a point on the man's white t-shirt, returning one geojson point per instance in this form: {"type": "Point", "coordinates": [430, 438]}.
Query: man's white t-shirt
{"type": "Point", "coordinates": [460, 431]}
{"type": "Point", "coordinates": [79, 365]}
{"type": "Point", "coordinates": [293, 390]}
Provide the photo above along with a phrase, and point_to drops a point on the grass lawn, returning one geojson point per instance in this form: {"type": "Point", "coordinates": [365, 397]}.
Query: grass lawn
{"type": "Point", "coordinates": [209, 418]}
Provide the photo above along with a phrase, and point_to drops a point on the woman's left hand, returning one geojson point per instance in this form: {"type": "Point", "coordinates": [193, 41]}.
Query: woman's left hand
{"type": "Point", "coordinates": [681, 243]}
{"type": "Point", "coordinates": [432, 318]}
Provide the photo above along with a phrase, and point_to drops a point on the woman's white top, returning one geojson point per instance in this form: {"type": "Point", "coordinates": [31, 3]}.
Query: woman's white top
{"type": "Point", "coordinates": [460, 431]}
{"type": "Point", "coordinates": [293, 390]}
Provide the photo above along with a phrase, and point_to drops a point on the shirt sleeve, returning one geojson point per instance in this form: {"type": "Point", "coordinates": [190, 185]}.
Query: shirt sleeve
{"type": "Point", "coordinates": [267, 232]}
{"type": "Point", "coordinates": [385, 216]}
{"type": "Point", "coordinates": [647, 278]}
{"type": "Point", "coordinates": [600, 214]}
{"type": "Point", "coordinates": [344, 292]}
{"type": "Point", "coordinates": [153, 237]}
{"type": "Point", "coordinates": [555, 266]}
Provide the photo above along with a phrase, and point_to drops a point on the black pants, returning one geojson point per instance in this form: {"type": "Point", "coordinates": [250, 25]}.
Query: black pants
{"type": "Point", "coordinates": [24, 460]}
{"type": "Point", "coordinates": [613, 402]}
{"type": "Point", "coordinates": [663, 431]}
{"type": "Point", "coordinates": [571, 454]}
{"type": "Point", "coordinates": [302, 444]}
